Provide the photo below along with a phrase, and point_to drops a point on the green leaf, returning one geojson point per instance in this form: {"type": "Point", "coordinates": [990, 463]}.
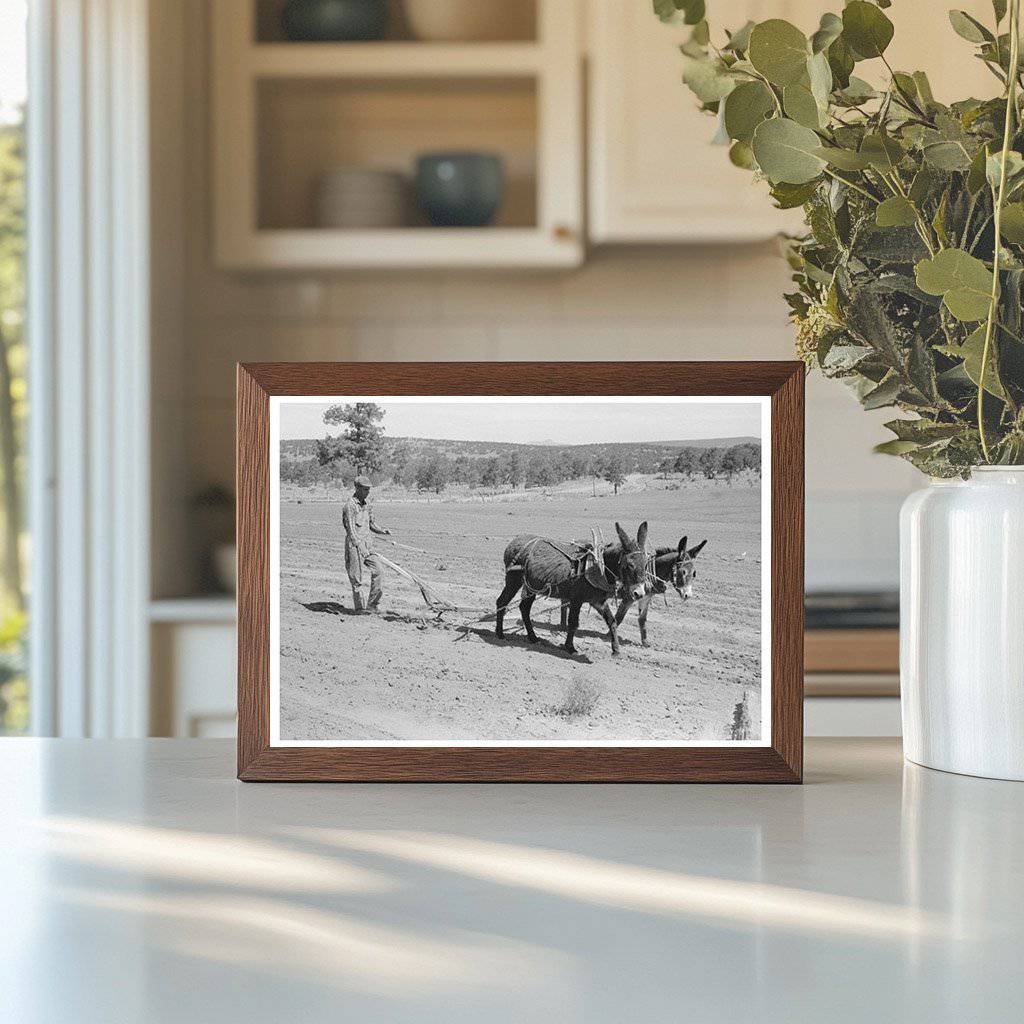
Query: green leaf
{"type": "Point", "coordinates": [947, 156]}
{"type": "Point", "coordinates": [787, 152]}
{"type": "Point", "coordinates": [707, 78]}
{"type": "Point", "coordinates": [1012, 223]}
{"type": "Point", "coordinates": [895, 212]}
{"type": "Point", "coordinates": [701, 34]}
{"type": "Point", "coordinates": [885, 394]}
{"type": "Point", "coordinates": [844, 159]}
{"type": "Point", "coordinates": [801, 106]}
{"type": "Point", "coordinates": [819, 74]}
{"type": "Point", "coordinates": [741, 155]}
{"type": "Point", "coordinates": [843, 358]}
{"type": "Point", "coordinates": [829, 30]}
{"type": "Point", "coordinates": [993, 167]}
{"type": "Point", "coordinates": [690, 12]}
{"type": "Point", "coordinates": [666, 10]}
{"type": "Point", "coordinates": [841, 63]}
{"type": "Point", "coordinates": [857, 91]}
{"type": "Point", "coordinates": [889, 245]}
{"type": "Point", "coordinates": [895, 447]}
{"type": "Point", "coordinates": [739, 41]}
{"type": "Point", "coordinates": [866, 29]}
{"type": "Point", "coordinates": [788, 196]}
{"type": "Point", "coordinates": [923, 431]}
{"type": "Point", "coordinates": [963, 281]}
{"type": "Point", "coordinates": [721, 136]}
{"type": "Point", "coordinates": [939, 220]}
{"type": "Point", "coordinates": [971, 351]}
{"type": "Point", "coordinates": [924, 88]}
{"type": "Point", "coordinates": [999, 9]}
{"type": "Point", "coordinates": [922, 185]}
{"type": "Point", "coordinates": [745, 108]}
{"type": "Point", "coordinates": [693, 10]}
{"type": "Point", "coordinates": [969, 28]}
{"type": "Point", "coordinates": [883, 152]}
{"type": "Point", "coordinates": [976, 173]}
{"type": "Point", "coordinates": [779, 51]}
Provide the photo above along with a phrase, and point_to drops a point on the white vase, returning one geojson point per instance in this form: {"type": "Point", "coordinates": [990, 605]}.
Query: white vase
{"type": "Point", "coordinates": [962, 624]}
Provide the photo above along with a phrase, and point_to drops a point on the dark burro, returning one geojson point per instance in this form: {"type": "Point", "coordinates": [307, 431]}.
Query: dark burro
{"type": "Point", "coordinates": [574, 574]}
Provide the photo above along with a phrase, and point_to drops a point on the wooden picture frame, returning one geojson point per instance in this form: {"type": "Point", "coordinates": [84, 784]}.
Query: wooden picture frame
{"type": "Point", "coordinates": [779, 759]}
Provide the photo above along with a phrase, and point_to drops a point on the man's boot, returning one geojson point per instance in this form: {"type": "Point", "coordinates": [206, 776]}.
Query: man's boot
{"type": "Point", "coordinates": [357, 601]}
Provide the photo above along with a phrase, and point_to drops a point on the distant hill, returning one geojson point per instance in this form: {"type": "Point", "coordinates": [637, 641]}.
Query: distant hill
{"type": "Point", "coordinates": [418, 447]}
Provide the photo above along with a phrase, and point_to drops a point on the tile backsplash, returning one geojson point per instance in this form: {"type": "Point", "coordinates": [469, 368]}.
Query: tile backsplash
{"type": "Point", "coordinates": [713, 303]}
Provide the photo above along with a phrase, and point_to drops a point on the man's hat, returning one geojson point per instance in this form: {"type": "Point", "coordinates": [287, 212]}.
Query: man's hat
{"type": "Point", "coordinates": [363, 481]}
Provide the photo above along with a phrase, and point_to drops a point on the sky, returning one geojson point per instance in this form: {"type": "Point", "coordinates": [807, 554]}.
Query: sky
{"type": "Point", "coordinates": [12, 57]}
{"type": "Point", "coordinates": [591, 421]}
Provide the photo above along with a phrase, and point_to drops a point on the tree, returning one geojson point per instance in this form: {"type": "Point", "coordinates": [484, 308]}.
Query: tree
{"type": "Point", "coordinates": [581, 466]}
{"type": "Point", "coordinates": [613, 470]}
{"type": "Point", "coordinates": [514, 470]}
{"type": "Point", "coordinates": [12, 349]}
{"type": "Point", "coordinates": [540, 472]}
{"type": "Point", "coordinates": [490, 475]}
{"type": "Point", "coordinates": [731, 462]}
{"type": "Point", "coordinates": [751, 457]}
{"type": "Point", "coordinates": [646, 462]}
{"type": "Point", "coordinates": [401, 456]}
{"type": "Point", "coordinates": [361, 442]}
{"type": "Point", "coordinates": [433, 473]}
{"type": "Point", "coordinates": [710, 462]}
{"type": "Point", "coordinates": [687, 462]}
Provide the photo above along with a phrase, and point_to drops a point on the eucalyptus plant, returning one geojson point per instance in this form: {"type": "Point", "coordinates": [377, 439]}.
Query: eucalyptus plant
{"type": "Point", "coordinates": [910, 278]}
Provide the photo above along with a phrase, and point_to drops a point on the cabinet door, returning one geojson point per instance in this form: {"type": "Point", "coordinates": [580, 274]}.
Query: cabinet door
{"type": "Point", "coordinates": [654, 176]}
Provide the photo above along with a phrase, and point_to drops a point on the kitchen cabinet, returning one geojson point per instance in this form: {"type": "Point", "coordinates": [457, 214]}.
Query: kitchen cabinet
{"type": "Point", "coordinates": [654, 177]}
{"type": "Point", "coordinates": [287, 114]}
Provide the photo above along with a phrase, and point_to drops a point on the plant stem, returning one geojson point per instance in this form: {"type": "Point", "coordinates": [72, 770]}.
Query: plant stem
{"type": "Point", "coordinates": [908, 100]}
{"type": "Point", "coordinates": [853, 185]}
{"type": "Point", "coordinates": [1011, 109]}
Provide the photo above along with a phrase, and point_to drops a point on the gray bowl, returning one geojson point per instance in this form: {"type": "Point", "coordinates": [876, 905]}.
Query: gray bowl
{"type": "Point", "coordinates": [460, 189]}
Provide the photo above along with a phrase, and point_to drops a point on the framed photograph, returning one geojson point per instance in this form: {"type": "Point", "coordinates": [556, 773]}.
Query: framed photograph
{"type": "Point", "coordinates": [578, 572]}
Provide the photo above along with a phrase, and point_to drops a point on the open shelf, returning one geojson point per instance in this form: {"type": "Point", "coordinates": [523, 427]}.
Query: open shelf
{"type": "Point", "coordinates": [520, 22]}
{"type": "Point", "coordinates": [393, 60]}
{"type": "Point", "coordinates": [309, 127]}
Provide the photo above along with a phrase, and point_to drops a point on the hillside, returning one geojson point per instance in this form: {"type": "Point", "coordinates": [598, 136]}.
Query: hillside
{"type": "Point", "coordinates": [418, 447]}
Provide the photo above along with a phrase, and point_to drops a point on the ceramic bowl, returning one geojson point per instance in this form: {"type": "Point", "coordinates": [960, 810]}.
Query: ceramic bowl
{"type": "Point", "coordinates": [333, 21]}
{"type": "Point", "coordinates": [359, 197]}
{"type": "Point", "coordinates": [459, 189]}
{"type": "Point", "coordinates": [470, 20]}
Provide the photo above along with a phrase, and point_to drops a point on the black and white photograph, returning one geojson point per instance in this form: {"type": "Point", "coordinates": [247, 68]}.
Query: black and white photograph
{"type": "Point", "coordinates": [542, 570]}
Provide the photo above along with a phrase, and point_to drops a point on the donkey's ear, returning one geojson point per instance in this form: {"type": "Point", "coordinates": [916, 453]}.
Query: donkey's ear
{"type": "Point", "coordinates": [623, 536]}
{"type": "Point", "coordinates": [694, 552]}
{"type": "Point", "coordinates": [641, 536]}
{"type": "Point", "coordinates": [681, 550]}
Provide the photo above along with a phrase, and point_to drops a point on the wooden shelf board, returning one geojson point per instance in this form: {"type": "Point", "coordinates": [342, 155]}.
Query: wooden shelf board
{"type": "Point", "coordinates": [402, 247]}
{"type": "Point", "coordinates": [393, 60]}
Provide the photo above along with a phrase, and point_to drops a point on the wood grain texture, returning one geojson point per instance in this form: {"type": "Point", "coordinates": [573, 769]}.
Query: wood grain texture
{"type": "Point", "coordinates": [780, 762]}
{"type": "Point", "coordinates": [253, 534]}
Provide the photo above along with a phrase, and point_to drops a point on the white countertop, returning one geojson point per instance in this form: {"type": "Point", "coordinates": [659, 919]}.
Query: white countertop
{"type": "Point", "coordinates": [140, 882]}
